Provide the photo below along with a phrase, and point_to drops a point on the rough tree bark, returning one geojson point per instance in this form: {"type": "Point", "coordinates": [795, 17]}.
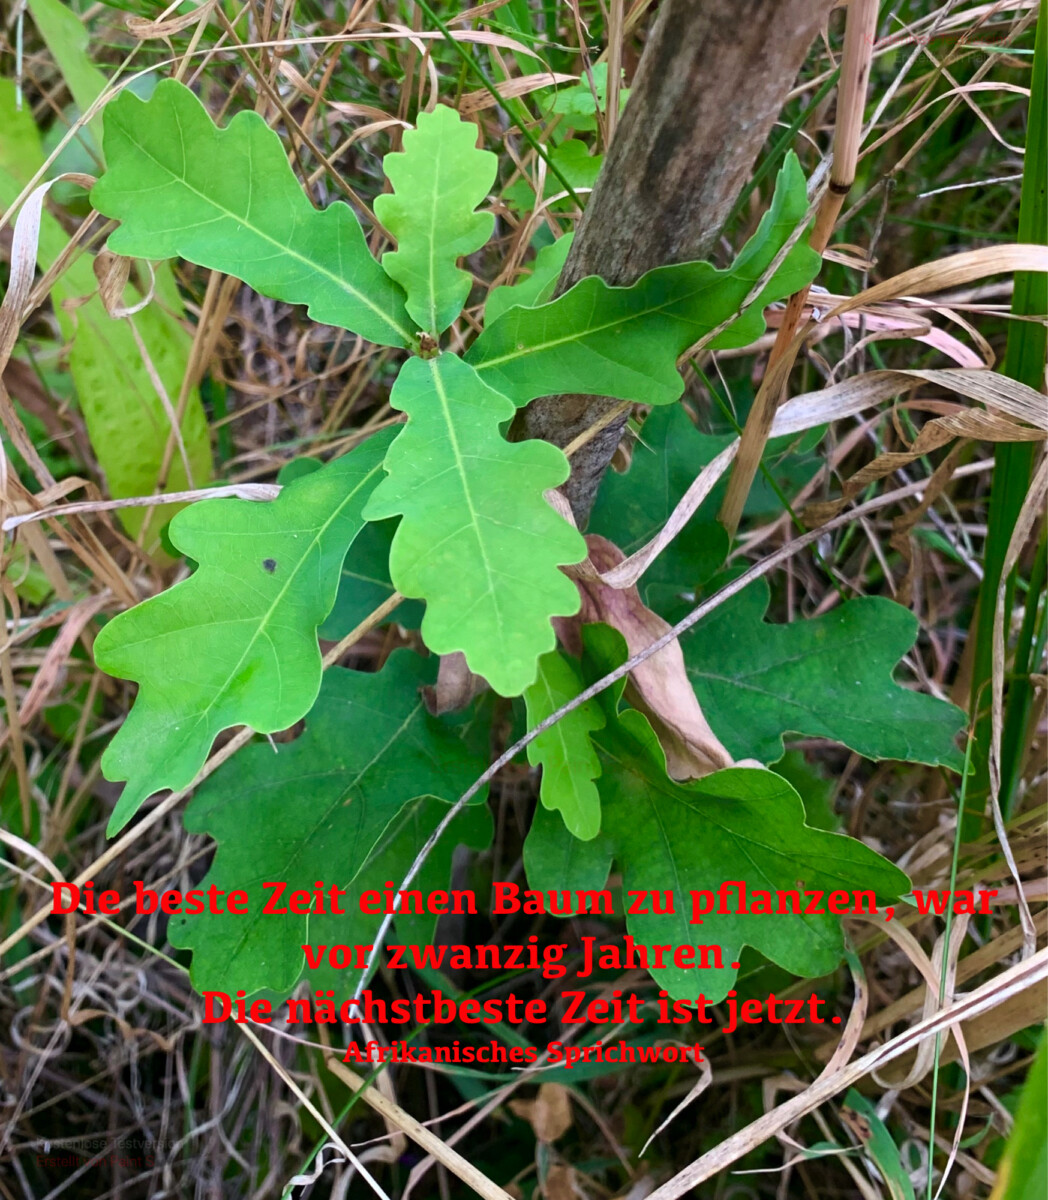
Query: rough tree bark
{"type": "Point", "coordinates": [712, 80]}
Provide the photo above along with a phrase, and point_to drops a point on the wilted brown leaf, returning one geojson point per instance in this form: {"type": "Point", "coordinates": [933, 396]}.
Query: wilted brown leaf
{"type": "Point", "coordinates": [549, 1114]}
{"type": "Point", "coordinates": [659, 686]}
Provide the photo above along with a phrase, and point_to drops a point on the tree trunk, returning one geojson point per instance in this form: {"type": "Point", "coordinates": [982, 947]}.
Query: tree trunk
{"type": "Point", "coordinates": [711, 82]}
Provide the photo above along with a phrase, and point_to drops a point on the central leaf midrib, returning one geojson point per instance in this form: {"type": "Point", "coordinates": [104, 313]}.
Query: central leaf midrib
{"type": "Point", "coordinates": [490, 574]}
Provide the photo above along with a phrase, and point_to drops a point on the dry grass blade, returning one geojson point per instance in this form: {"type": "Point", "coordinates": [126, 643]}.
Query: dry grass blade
{"type": "Point", "coordinates": [859, 35]}
{"type": "Point", "coordinates": [241, 491]}
{"type": "Point", "coordinates": [419, 1134]}
{"type": "Point", "coordinates": [12, 311]}
{"type": "Point", "coordinates": [990, 995]}
{"type": "Point", "coordinates": [510, 89]}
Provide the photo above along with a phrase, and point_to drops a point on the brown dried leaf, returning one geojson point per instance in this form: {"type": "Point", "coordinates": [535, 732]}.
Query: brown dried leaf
{"type": "Point", "coordinates": [967, 423]}
{"type": "Point", "coordinates": [659, 686]}
{"type": "Point", "coordinates": [509, 88]}
{"type": "Point", "coordinates": [143, 28]}
{"type": "Point", "coordinates": [559, 1184]}
{"type": "Point", "coordinates": [51, 669]}
{"type": "Point", "coordinates": [455, 688]}
{"type": "Point", "coordinates": [549, 1114]}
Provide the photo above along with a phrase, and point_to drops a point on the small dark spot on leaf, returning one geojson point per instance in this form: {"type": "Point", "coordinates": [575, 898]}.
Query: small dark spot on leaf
{"type": "Point", "coordinates": [857, 1123]}
{"type": "Point", "coordinates": [270, 564]}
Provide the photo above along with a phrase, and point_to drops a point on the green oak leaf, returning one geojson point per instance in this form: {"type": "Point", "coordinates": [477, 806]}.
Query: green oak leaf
{"type": "Point", "coordinates": [228, 199]}
{"type": "Point", "coordinates": [578, 103]}
{"type": "Point", "coordinates": [390, 859]}
{"type": "Point", "coordinates": [624, 342]}
{"type": "Point", "coordinates": [535, 288]}
{"type": "Point", "coordinates": [236, 642]}
{"type": "Point", "coordinates": [438, 181]}
{"type": "Point", "coordinates": [478, 541]}
{"type": "Point", "coordinates": [555, 859]}
{"type": "Point", "coordinates": [631, 508]}
{"type": "Point", "coordinates": [314, 811]}
{"type": "Point", "coordinates": [564, 751]}
{"type": "Point", "coordinates": [828, 676]}
{"type": "Point", "coordinates": [737, 824]}
{"type": "Point", "coordinates": [815, 786]}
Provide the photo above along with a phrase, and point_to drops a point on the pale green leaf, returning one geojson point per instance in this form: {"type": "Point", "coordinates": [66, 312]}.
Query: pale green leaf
{"type": "Point", "coordinates": [579, 168]}
{"type": "Point", "coordinates": [438, 181]}
{"type": "Point", "coordinates": [67, 40]}
{"type": "Point", "coordinates": [317, 809]}
{"type": "Point", "coordinates": [578, 103]}
{"type": "Point", "coordinates": [227, 199]}
{"type": "Point", "coordinates": [737, 824]}
{"type": "Point", "coordinates": [478, 541]}
{"type": "Point", "coordinates": [125, 416]}
{"type": "Point", "coordinates": [236, 642]}
{"type": "Point", "coordinates": [565, 753]}
{"type": "Point", "coordinates": [829, 676]}
{"type": "Point", "coordinates": [624, 342]}
{"type": "Point", "coordinates": [535, 288]}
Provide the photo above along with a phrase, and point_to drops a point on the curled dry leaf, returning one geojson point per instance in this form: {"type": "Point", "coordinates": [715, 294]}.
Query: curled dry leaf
{"type": "Point", "coordinates": [113, 272]}
{"type": "Point", "coordinates": [888, 324]}
{"type": "Point", "coordinates": [510, 88]}
{"type": "Point", "coordinates": [455, 687]}
{"type": "Point", "coordinates": [54, 662]}
{"type": "Point", "coordinates": [549, 1114]}
{"type": "Point", "coordinates": [144, 28]}
{"type": "Point", "coordinates": [12, 310]}
{"type": "Point", "coordinates": [659, 686]}
{"type": "Point", "coordinates": [967, 423]}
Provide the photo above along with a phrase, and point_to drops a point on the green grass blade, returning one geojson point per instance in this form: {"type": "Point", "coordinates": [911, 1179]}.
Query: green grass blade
{"type": "Point", "coordinates": [1013, 464]}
